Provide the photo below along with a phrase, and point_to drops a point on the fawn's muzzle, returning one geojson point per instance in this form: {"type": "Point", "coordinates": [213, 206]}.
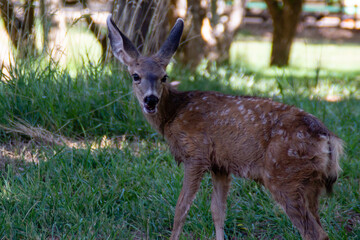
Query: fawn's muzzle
{"type": "Point", "coordinates": [150, 103]}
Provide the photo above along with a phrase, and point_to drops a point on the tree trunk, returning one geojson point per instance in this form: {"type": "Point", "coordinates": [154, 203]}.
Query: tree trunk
{"type": "Point", "coordinates": [193, 50]}
{"type": "Point", "coordinates": [43, 20]}
{"type": "Point", "coordinates": [149, 22]}
{"type": "Point", "coordinates": [231, 27]}
{"type": "Point", "coordinates": [285, 18]}
{"type": "Point", "coordinates": [19, 28]}
{"type": "Point", "coordinates": [56, 32]}
{"type": "Point", "coordinates": [209, 30]}
{"type": "Point", "coordinates": [96, 30]}
{"type": "Point", "coordinates": [143, 21]}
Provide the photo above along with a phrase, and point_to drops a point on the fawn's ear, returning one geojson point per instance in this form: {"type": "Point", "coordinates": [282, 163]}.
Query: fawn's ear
{"type": "Point", "coordinates": [172, 42]}
{"type": "Point", "coordinates": [121, 46]}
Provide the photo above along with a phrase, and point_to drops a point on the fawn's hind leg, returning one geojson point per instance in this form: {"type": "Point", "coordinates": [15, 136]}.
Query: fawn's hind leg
{"type": "Point", "coordinates": [295, 203]}
{"type": "Point", "coordinates": [221, 185]}
{"type": "Point", "coordinates": [312, 200]}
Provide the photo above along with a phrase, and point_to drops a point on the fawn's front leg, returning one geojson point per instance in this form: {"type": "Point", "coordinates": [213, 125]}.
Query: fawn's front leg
{"type": "Point", "coordinates": [221, 185]}
{"type": "Point", "coordinates": [191, 183]}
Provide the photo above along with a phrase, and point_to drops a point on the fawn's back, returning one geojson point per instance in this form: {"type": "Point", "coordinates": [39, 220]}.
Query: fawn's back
{"type": "Point", "coordinates": [246, 135]}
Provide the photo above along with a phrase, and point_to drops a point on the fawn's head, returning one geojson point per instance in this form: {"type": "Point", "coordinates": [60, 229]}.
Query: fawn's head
{"type": "Point", "coordinates": [148, 73]}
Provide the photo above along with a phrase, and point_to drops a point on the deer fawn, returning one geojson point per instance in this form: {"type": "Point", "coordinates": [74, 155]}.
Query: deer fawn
{"type": "Point", "coordinates": [282, 147]}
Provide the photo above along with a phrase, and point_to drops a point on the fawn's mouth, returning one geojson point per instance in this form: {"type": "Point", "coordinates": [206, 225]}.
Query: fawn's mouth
{"type": "Point", "coordinates": [150, 109]}
{"type": "Point", "coordinates": [150, 103]}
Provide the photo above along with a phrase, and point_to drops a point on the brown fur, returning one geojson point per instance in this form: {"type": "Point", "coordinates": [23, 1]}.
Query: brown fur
{"type": "Point", "coordinates": [282, 147]}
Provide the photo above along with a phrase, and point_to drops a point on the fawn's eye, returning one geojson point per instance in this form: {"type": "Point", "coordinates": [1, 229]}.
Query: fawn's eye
{"type": "Point", "coordinates": [136, 77]}
{"type": "Point", "coordinates": [164, 78]}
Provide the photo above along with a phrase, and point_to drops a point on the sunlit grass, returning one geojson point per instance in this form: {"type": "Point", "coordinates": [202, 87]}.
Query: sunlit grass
{"type": "Point", "coordinates": [273, 82]}
{"type": "Point", "coordinates": [82, 48]}
{"type": "Point", "coordinates": [79, 49]}
{"type": "Point", "coordinates": [325, 71]}
{"type": "Point", "coordinates": [306, 55]}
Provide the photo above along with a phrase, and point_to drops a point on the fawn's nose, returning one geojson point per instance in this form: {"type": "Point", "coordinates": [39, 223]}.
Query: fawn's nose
{"type": "Point", "coordinates": [151, 100]}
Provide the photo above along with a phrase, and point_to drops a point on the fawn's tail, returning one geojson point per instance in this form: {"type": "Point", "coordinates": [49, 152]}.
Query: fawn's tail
{"type": "Point", "coordinates": [336, 148]}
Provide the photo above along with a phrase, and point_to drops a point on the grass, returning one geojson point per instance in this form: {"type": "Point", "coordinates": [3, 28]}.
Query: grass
{"type": "Point", "coordinates": [304, 55]}
{"type": "Point", "coordinates": [127, 188]}
{"type": "Point", "coordinates": [80, 53]}
{"type": "Point", "coordinates": [105, 174]}
{"type": "Point", "coordinates": [128, 191]}
{"type": "Point", "coordinates": [94, 102]}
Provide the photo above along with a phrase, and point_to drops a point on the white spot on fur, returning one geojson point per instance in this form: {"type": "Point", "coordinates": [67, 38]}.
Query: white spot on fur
{"type": "Point", "coordinates": [267, 174]}
{"type": "Point", "coordinates": [300, 135]}
{"type": "Point", "coordinates": [225, 112]}
{"type": "Point", "coordinates": [266, 137]}
{"type": "Point", "coordinates": [212, 114]}
{"type": "Point", "coordinates": [244, 171]}
{"type": "Point", "coordinates": [324, 137]}
{"type": "Point", "coordinates": [292, 153]}
{"type": "Point", "coordinates": [263, 119]}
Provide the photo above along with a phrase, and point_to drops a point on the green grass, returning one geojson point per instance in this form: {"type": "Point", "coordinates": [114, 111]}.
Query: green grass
{"type": "Point", "coordinates": [96, 101]}
{"type": "Point", "coordinates": [81, 47]}
{"type": "Point", "coordinates": [129, 190]}
{"type": "Point", "coordinates": [122, 193]}
{"type": "Point", "coordinates": [304, 55]}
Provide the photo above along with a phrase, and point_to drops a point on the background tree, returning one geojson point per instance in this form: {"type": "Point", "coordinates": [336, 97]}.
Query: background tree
{"type": "Point", "coordinates": [55, 29]}
{"type": "Point", "coordinates": [285, 15]}
{"type": "Point", "coordinates": [143, 21]}
{"type": "Point", "coordinates": [19, 23]}
{"type": "Point", "coordinates": [96, 28]}
{"type": "Point", "coordinates": [210, 27]}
